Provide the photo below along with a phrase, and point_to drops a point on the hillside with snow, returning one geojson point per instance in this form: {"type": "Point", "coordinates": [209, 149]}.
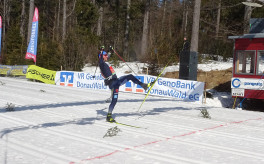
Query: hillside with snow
{"type": "Point", "coordinates": [49, 124]}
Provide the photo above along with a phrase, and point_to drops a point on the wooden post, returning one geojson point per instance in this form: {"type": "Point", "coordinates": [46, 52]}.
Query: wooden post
{"type": "Point", "coordinates": [204, 92]}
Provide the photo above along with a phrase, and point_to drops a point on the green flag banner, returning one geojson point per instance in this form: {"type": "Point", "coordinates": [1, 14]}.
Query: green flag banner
{"type": "Point", "coordinates": [41, 74]}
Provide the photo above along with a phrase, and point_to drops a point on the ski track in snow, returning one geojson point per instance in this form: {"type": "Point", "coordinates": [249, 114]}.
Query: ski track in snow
{"type": "Point", "coordinates": [54, 124]}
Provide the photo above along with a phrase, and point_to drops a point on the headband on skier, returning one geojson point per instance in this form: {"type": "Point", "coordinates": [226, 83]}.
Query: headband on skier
{"type": "Point", "coordinates": [102, 53]}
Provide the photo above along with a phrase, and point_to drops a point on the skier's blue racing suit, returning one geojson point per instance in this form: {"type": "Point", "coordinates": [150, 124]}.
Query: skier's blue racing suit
{"type": "Point", "coordinates": [111, 79]}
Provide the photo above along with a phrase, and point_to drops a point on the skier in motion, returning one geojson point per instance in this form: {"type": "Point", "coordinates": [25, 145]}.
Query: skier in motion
{"type": "Point", "coordinates": [111, 80]}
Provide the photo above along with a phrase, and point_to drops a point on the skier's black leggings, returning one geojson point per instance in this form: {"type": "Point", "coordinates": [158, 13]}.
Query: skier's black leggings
{"type": "Point", "coordinates": [115, 88]}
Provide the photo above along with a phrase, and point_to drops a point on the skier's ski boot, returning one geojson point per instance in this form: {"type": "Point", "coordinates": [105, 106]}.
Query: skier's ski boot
{"type": "Point", "coordinates": [109, 118]}
{"type": "Point", "coordinates": [146, 86]}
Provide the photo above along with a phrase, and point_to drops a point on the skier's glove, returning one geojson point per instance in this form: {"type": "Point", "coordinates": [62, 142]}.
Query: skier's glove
{"type": "Point", "coordinates": [106, 82]}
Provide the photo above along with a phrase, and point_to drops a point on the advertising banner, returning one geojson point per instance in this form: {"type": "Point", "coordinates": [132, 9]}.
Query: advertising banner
{"type": "Point", "coordinates": [5, 69]}
{"type": "Point", "coordinates": [246, 83]}
{"type": "Point", "coordinates": [80, 80]}
{"type": "Point", "coordinates": [16, 70]}
{"type": "Point", "coordinates": [185, 90]}
{"type": "Point", "coordinates": [32, 46]}
{"type": "Point", "coordinates": [19, 70]}
{"type": "Point", "coordinates": [174, 88]}
{"type": "Point", "coordinates": [41, 74]}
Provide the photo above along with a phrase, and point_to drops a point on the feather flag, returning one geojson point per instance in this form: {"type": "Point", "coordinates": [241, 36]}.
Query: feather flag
{"type": "Point", "coordinates": [0, 34]}
{"type": "Point", "coordinates": [32, 46]}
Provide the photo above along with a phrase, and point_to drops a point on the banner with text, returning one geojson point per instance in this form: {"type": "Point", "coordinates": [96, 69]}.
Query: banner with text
{"type": "Point", "coordinates": [247, 83]}
{"type": "Point", "coordinates": [41, 74]}
{"type": "Point", "coordinates": [175, 88]}
{"type": "Point", "coordinates": [33, 43]}
{"type": "Point", "coordinates": [16, 70]}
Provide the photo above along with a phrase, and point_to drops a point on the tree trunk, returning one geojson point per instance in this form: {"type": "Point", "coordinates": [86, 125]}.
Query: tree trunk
{"type": "Point", "coordinates": [195, 27]}
{"type": "Point", "coordinates": [163, 17]}
{"type": "Point", "coordinates": [4, 21]}
{"type": "Point", "coordinates": [185, 20]}
{"type": "Point", "coordinates": [100, 21]}
{"type": "Point", "coordinates": [22, 20]}
{"type": "Point", "coordinates": [64, 19]}
{"type": "Point", "coordinates": [247, 16]}
{"type": "Point", "coordinates": [126, 38]}
{"type": "Point", "coordinates": [218, 18]}
{"type": "Point", "coordinates": [58, 22]}
{"type": "Point", "coordinates": [31, 11]}
{"type": "Point", "coordinates": [144, 41]}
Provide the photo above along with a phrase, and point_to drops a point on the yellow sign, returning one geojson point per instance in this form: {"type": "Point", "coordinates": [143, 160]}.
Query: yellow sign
{"type": "Point", "coordinates": [4, 69]}
{"type": "Point", "coordinates": [16, 70]}
{"type": "Point", "coordinates": [19, 70]}
{"type": "Point", "coordinates": [41, 74]}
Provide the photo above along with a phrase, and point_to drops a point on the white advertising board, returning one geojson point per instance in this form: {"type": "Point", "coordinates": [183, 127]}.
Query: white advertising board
{"type": "Point", "coordinates": [246, 83]}
{"type": "Point", "coordinates": [175, 88]}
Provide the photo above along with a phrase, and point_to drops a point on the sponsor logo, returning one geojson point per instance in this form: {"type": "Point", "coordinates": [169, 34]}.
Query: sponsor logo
{"type": "Point", "coordinates": [253, 84]}
{"type": "Point", "coordinates": [236, 83]}
{"type": "Point", "coordinates": [130, 85]}
{"type": "Point", "coordinates": [41, 74]}
{"type": "Point", "coordinates": [66, 78]}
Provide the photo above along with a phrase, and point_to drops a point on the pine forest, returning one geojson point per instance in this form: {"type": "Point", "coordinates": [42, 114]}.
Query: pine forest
{"type": "Point", "coordinates": [151, 31]}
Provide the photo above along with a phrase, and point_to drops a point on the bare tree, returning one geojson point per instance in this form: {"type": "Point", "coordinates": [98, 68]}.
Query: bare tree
{"type": "Point", "coordinates": [5, 23]}
{"type": "Point", "coordinates": [58, 21]}
{"type": "Point", "coordinates": [22, 20]}
{"type": "Point", "coordinates": [247, 16]}
{"type": "Point", "coordinates": [185, 18]}
{"type": "Point", "coordinates": [64, 19]}
{"type": "Point", "coordinates": [31, 11]}
{"type": "Point", "coordinates": [163, 17]}
{"type": "Point", "coordinates": [126, 38]}
{"type": "Point", "coordinates": [144, 41]}
{"type": "Point", "coordinates": [100, 21]}
{"type": "Point", "coordinates": [218, 18]}
{"type": "Point", "coordinates": [195, 27]}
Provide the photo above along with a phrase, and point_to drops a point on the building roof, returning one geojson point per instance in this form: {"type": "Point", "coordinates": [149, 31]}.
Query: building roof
{"type": "Point", "coordinates": [245, 36]}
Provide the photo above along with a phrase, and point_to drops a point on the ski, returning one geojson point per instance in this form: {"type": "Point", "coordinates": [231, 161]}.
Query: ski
{"type": "Point", "coordinates": [128, 125]}
{"type": "Point", "coordinates": [118, 123]}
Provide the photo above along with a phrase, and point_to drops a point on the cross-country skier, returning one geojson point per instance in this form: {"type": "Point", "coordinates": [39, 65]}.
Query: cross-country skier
{"type": "Point", "coordinates": [113, 82]}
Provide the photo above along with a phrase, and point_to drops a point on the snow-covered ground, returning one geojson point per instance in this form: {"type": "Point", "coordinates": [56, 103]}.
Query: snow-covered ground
{"type": "Point", "coordinates": [138, 67]}
{"type": "Point", "coordinates": [63, 125]}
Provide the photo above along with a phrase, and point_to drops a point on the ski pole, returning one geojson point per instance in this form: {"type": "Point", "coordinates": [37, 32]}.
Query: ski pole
{"type": "Point", "coordinates": [97, 63]}
{"type": "Point", "coordinates": [154, 83]}
{"type": "Point", "coordinates": [95, 70]}
{"type": "Point", "coordinates": [124, 61]}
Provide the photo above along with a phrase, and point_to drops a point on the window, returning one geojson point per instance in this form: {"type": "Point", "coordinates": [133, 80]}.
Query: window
{"type": "Point", "coordinates": [260, 66]}
{"type": "Point", "coordinates": [245, 62]}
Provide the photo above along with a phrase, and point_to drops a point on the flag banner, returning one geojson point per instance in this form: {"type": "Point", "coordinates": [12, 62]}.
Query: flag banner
{"type": "Point", "coordinates": [32, 46]}
{"type": "Point", "coordinates": [0, 34]}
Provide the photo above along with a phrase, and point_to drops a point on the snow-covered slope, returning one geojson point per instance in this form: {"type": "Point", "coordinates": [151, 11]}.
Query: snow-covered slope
{"type": "Point", "coordinates": [59, 125]}
{"type": "Point", "coordinates": [138, 67]}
